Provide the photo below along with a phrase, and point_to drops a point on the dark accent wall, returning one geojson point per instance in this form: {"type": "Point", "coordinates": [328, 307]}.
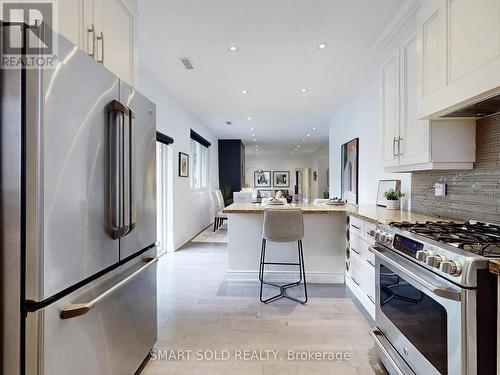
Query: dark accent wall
{"type": "Point", "coordinates": [472, 194]}
{"type": "Point", "coordinates": [231, 167]}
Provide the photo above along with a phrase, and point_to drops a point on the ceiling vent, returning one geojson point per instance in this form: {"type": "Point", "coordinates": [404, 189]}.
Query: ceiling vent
{"type": "Point", "coordinates": [229, 123]}
{"type": "Point", "coordinates": [187, 63]}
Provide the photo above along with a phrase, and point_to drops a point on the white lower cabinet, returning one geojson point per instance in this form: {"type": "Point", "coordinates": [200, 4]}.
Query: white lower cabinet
{"type": "Point", "coordinates": [360, 264]}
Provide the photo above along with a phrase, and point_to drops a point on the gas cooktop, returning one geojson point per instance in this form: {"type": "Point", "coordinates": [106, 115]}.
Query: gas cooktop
{"type": "Point", "coordinates": [473, 236]}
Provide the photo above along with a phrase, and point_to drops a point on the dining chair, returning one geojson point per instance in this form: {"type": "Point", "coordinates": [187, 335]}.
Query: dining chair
{"type": "Point", "coordinates": [219, 216]}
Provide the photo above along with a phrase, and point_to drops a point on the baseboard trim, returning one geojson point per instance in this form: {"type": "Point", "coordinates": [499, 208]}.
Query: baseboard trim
{"type": "Point", "coordinates": [286, 276]}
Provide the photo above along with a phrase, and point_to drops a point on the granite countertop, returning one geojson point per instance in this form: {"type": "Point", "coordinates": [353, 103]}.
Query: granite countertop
{"type": "Point", "coordinates": [495, 266]}
{"type": "Point", "coordinates": [369, 212]}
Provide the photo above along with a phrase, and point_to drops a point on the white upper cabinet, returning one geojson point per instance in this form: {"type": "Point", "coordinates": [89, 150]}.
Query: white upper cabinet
{"type": "Point", "coordinates": [70, 21]}
{"type": "Point", "coordinates": [413, 133]}
{"type": "Point", "coordinates": [390, 109]}
{"type": "Point", "coordinates": [409, 143]}
{"type": "Point", "coordinates": [105, 29]}
{"type": "Point", "coordinates": [459, 53]}
{"type": "Point", "coordinates": [115, 37]}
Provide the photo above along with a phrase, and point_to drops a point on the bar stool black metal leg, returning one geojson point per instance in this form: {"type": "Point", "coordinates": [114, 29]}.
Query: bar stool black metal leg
{"type": "Point", "coordinates": [303, 269]}
{"type": "Point", "coordinates": [283, 288]}
{"type": "Point", "coordinates": [215, 224]}
{"type": "Point", "coordinates": [261, 267]}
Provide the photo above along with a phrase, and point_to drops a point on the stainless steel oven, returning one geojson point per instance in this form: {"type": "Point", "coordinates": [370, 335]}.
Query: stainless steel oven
{"type": "Point", "coordinates": [422, 315]}
{"type": "Point", "coordinates": [435, 304]}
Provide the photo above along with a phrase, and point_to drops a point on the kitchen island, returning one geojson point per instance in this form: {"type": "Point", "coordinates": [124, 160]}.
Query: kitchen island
{"type": "Point", "coordinates": [324, 240]}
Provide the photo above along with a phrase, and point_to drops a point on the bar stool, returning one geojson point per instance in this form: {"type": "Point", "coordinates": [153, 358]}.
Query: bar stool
{"type": "Point", "coordinates": [283, 225]}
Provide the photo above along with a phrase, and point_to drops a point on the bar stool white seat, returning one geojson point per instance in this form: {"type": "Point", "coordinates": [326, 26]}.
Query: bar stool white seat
{"type": "Point", "coordinates": [283, 226]}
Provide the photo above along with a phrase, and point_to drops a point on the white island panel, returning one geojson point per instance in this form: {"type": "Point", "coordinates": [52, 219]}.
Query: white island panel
{"type": "Point", "coordinates": [323, 243]}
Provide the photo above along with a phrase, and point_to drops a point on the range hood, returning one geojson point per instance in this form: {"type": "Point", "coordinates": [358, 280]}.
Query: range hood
{"type": "Point", "coordinates": [481, 109]}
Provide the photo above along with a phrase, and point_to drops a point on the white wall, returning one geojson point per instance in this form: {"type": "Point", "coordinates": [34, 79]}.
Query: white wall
{"type": "Point", "coordinates": [360, 118]}
{"type": "Point", "coordinates": [191, 209]}
{"type": "Point", "coordinates": [285, 162]}
{"type": "Point", "coordinates": [320, 165]}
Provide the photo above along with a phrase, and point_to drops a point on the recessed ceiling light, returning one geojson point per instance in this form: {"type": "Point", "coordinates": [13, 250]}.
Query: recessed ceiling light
{"type": "Point", "coordinates": [322, 45]}
{"type": "Point", "coordinates": [303, 90]}
{"type": "Point", "coordinates": [249, 118]}
{"type": "Point", "coordinates": [244, 92]}
{"type": "Point", "coordinates": [298, 146]}
{"type": "Point", "coordinates": [308, 134]}
{"type": "Point", "coordinates": [251, 128]}
{"type": "Point", "coordinates": [233, 48]}
{"type": "Point", "coordinates": [314, 128]}
{"type": "Point", "coordinates": [254, 140]}
{"type": "Point", "coordinates": [253, 135]}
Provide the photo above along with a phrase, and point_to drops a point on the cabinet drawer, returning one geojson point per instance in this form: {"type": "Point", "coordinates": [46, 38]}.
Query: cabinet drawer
{"type": "Point", "coordinates": [358, 246]}
{"type": "Point", "coordinates": [356, 226]}
{"type": "Point", "coordinates": [361, 248]}
{"type": "Point", "coordinates": [368, 228]}
{"type": "Point", "coordinates": [363, 275]}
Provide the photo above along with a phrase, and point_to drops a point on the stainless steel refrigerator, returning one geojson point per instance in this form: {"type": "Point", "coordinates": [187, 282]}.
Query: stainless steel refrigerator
{"type": "Point", "coordinates": [78, 217]}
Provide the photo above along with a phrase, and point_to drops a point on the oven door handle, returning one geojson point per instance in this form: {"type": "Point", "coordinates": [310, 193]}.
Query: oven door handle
{"type": "Point", "coordinates": [438, 291]}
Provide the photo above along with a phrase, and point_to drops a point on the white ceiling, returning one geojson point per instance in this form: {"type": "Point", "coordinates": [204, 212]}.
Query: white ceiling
{"type": "Point", "coordinates": [277, 56]}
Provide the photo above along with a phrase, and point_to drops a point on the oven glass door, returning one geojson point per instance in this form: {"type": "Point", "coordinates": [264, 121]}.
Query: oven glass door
{"type": "Point", "coordinates": [421, 319]}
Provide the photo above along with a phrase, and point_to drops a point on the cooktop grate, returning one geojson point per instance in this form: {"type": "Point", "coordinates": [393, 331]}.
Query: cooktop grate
{"type": "Point", "coordinates": [476, 237]}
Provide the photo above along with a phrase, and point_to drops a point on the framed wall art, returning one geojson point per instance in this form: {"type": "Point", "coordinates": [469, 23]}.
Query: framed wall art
{"type": "Point", "coordinates": [281, 179]}
{"type": "Point", "coordinates": [350, 170]}
{"type": "Point", "coordinates": [183, 164]}
{"type": "Point", "coordinates": [262, 178]}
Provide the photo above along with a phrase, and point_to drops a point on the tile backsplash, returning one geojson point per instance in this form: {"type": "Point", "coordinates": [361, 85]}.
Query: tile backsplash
{"type": "Point", "coordinates": [471, 194]}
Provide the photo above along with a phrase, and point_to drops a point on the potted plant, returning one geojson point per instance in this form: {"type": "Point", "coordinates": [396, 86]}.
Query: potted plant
{"type": "Point", "coordinates": [393, 196]}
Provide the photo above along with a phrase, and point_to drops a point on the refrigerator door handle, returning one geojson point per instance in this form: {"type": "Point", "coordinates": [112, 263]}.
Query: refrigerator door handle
{"type": "Point", "coordinates": [117, 216]}
{"type": "Point", "coordinates": [133, 219]}
{"type": "Point", "coordinates": [126, 169]}
{"type": "Point", "coordinates": [78, 309]}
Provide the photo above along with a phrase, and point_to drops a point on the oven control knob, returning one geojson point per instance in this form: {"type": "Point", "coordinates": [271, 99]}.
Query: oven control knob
{"type": "Point", "coordinates": [450, 267]}
{"type": "Point", "coordinates": [422, 255]}
{"type": "Point", "coordinates": [386, 239]}
{"type": "Point", "coordinates": [434, 260]}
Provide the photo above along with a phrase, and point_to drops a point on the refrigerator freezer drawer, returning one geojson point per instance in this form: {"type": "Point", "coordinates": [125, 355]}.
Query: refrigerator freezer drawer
{"type": "Point", "coordinates": [114, 336]}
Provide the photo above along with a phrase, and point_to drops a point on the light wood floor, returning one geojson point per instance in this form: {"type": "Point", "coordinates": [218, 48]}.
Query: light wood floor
{"type": "Point", "coordinates": [198, 310]}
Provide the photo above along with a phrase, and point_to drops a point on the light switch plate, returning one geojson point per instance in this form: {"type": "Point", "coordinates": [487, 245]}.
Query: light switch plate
{"type": "Point", "coordinates": [440, 189]}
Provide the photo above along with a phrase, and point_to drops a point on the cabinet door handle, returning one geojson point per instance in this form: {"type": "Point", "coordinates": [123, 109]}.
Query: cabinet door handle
{"type": "Point", "coordinates": [371, 298]}
{"type": "Point", "coordinates": [370, 263]}
{"type": "Point", "coordinates": [100, 38]}
{"type": "Point", "coordinates": [399, 146]}
{"type": "Point", "coordinates": [356, 227]}
{"type": "Point", "coordinates": [394, 147]}
{"type": "Point", "coordinates": [356, 251]}
{"type": "Point", "coordinates": [91, 31]}
{"type": "Point", "coordinates": [355, 281]}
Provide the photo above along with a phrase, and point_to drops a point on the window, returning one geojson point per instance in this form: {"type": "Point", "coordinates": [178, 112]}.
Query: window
{"type": "Point", "coordinates": [164, 200]}
{"type": "Point", "coordinates": [199, 161]}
